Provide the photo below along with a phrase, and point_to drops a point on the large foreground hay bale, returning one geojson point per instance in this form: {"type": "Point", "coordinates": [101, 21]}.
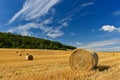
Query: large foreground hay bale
{"type": "Point", "coordinates": [29, 57]}
{"type": "Point", "coordinates": [83, 60]}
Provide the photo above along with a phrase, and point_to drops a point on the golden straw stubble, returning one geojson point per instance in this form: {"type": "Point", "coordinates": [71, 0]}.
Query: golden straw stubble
{"type": "Point", "coordinates": [83, 60]}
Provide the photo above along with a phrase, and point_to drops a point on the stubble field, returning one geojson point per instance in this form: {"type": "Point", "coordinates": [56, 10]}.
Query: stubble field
{"type": "Point", "coordinates": [54, 65]}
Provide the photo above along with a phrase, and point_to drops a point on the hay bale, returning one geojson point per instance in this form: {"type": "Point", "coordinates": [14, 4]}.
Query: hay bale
{"type": "Point", "coordinates": [83, 60]}
{"type": "Point", "coordinates": [20, 54]}
{"type": "Point", "coordinates": [27, 54]}
{"type": "Point", "coordinates": [17, 52]}
{"type": "Point", "coordinates": [29, 57]}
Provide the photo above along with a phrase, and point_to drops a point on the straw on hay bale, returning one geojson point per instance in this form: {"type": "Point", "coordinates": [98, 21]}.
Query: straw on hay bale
{"type": "Point", "coordinates": [29, 57]}
{"type": "Point", "coordinates": [83, 60]}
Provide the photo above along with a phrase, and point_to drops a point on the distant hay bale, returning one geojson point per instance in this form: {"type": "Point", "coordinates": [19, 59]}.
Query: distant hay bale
{"type": "Point", "coordinates": [83, 60]}
{"type": "Point", "coordinates": [17, 52]}
{"type": "Point", "coordinates": [113, 53]}
{"type": "Point", "coordinates": [21, 51]}
{"type": "Point", "coordinates": [20, 54]}
{"type": "Point", "coordinates": [27, 54]}
{"type": "Point", "coordinates": [29, 57]}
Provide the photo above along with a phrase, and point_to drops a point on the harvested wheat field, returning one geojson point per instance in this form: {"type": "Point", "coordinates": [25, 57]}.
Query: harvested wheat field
{"type": "Point", "coordinates": [54, 65]}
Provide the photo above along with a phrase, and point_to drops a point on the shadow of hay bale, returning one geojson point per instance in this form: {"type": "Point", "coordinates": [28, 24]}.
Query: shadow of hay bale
{"type": "Point", "coordinates": [102, 67]}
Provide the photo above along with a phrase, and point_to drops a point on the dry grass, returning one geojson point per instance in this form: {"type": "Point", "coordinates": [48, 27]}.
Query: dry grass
{"type": "Point", "coordinates": [54, 65]}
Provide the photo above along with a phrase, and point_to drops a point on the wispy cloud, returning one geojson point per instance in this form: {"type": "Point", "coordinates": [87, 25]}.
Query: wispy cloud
{"type": "Point", "coordinates": [116, 13]}
{"type": "Point", "coordinates": [109, 28]}
{"type": "Point", "coordinates": [76, 10]}
{"type": "Point", "coordinates": [33, 9]}
{"type": "Point", "coordinates": [76, 1]}
{"type": "Point", "coordinates": [87, 4]}
{"type": "Point", "coordinates": [100, 45]}
{"type": "Point", "coordinates": [78, 44]}
{"type": "Point", "coordinates": [54, 33]}
{"type": "Point", "coordinates": [49, 31]}
{"type": "Point", "coordinates": [107, 49]}
{"type": "Point", "coordinates": [35, 12]}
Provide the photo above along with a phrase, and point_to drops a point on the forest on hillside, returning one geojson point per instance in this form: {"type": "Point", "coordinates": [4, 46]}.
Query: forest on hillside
{"type": "Point", "coordinates": [9, 40]}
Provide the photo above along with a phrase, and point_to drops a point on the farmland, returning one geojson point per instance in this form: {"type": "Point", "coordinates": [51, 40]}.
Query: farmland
{"type": "Point", "coordinates": [54, 65]}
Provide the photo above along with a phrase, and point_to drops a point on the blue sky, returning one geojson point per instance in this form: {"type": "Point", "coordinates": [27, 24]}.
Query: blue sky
{"type": "Point", "coordinates": [89, 24]}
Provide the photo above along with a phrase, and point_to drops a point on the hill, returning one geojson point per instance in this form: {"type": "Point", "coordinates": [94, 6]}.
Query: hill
{"type": "Point", "coordinates": [9, 40]}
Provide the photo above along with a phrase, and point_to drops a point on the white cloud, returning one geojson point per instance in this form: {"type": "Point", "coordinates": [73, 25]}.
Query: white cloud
{"type": "Point", "coordinates": [107, 49]}
{"type": "Point", "coordinates": [33, 9]}
{"type": "Point", "coordinates": [78, 43]}
{"type": "Point", "coordinates": [56, 32]}
{"type": "Point", "coordinates": [87, 4]}
{"type": "Point", "coordinates": [105, 45]}
{"type": "Point", "coordinates": [75, 11]}
{"type": "Point", "coordinates": [36, 10]}
{"type": "Point", "coordinates": [100, 44]}
{"type": "Point", "coordinates": [52, 32]}
{"type": "Point", "coordinates": [116, 13]}
{"type": "Point", "coordinates": [109, 28]}
{"type": "Point", "coordinates": [23, 29]}
{"type": "Point", "coordinates": [64, 24]}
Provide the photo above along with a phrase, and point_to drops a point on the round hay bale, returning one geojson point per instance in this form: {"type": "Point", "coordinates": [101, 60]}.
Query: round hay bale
{"type": "Point", "coordinates": [29, 57]}
{"type": "Point", "coordinates": [83, 60]}
{"type": "Point", "coordinates": [19, 54]}
{"type": "Point", "coordinates": [27, 54]}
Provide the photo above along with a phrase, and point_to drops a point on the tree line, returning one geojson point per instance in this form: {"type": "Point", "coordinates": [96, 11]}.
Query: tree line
{"type": "Point", "coordinates": [9, 40]}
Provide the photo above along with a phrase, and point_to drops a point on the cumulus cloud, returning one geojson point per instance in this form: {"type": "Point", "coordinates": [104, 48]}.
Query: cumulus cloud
{"type": "Point", "coordinates": [109, 28]}
{"type": "Point", "coordinates": [33, 9]}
